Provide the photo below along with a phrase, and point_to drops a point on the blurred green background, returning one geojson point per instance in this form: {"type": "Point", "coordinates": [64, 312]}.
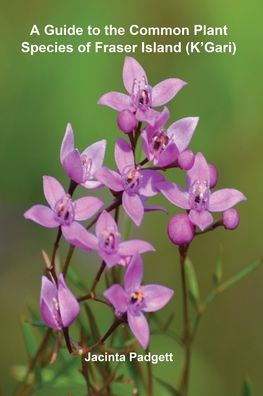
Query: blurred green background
{"type": "Point", "coordinates": [40, 94]}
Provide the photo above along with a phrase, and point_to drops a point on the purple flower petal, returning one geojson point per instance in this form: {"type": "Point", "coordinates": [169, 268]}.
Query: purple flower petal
{"type": "Point", "coordinates": [42, 215]}
{"type": "Point", "coordinates": [73, 167]}
{"type": "Point", "coordinates": [47, 314]}
{"type": "Point", "coordinates": [78, 236]}
{"type": "Point", "coordinates": [168, 156]}
{"type": "Point", "coordinates": [104, 222]}
{"type": "Point", "coordinates": [96, 152]}
{"type": "Point", "coordinates": [53, 190]}
{"type": "Point", "coordinates": [48, 295]}
{"type": "Point", "coordinates": [111, 259]}
{"type": "Point", "coordinates": [68, 304]}
{"type": "Point", "coordinates": [117, 297]}
{"type": "Point", "coordinates": [201, 219]}
{"type": "Point", "coordinates": [199, 171]}
{"type": "Point", "coordinates": [133, 206]}
{"type": "Point", "coordinates": [130, 248]}
{"type": "Point", "coordinates": [67, 144]}
{"type": "Point", "coordinates": [224, 199]}
{"type": "Point", "coordinates": [175, 194]}
{"type": "Point", "coordinates": [166, 90]}
{"type": "Point", "coordinates": [133, 275]}
{"type": "Point", "coordinates": [182, 131]}
{"type": "Point", "coordinates": [148, 115]}
{"type": "Point", "coordinates": [115, 100]}
{"type": "Point", "coordinates": [156, 297]}
{"type": "Point", "coordinates": [109, 178]}
{"type": "Point", "coordinates": [132, 70]}
{"type": "Point", "coordinates": [150, 179]}
{"type": "Point", "coordinates": [140, 328]}
{"type": "Point", "coordinates": [86, 207]}
{"type": "Point", "coordinates": [162, 119]}
{"type": "Point", "coordinates": [145, 145]}
{"type": "Point", "coordinates": [123, 154]}
{"type": "Point", "coordinates": [92, 184]}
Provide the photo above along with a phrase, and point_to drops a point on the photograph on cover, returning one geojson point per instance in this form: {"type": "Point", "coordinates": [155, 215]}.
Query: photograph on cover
{"type": "Point", "coordinates": [131, 192]}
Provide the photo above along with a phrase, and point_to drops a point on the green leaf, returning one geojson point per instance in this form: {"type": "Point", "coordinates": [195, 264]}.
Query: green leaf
{"type": "Point", "coordinates": [168, 322]}
{"type": "Point", "coordinates": [192, 283]}
{"type": "Point", "coordinates": [31, 346]}
{"type": "Point", "coordinates": [218, 274]}
{"type": "Point", "coordinates": [92, 322]}
{"type": "Point", "coordinates": [171, 390]}
{"type": "Point", "coordinates": [247, 388]}
{"type": "Point", "coordinates": [122, 388]}
{"type": "Point", "coordinates": [231, 282]}
{"type": "Point", "coordinates": [76, 279]}
{"type": "Point", "coordinates": [37, 323]}
{"type": "Point", "coordinates": [240, 275]}
{"type": "Point", "coordinates": [29, 337]}
{"type": "Point", "coordinates": [137, 374]}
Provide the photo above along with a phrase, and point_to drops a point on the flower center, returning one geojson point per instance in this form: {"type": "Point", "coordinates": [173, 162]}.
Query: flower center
{"type": "Point", "coordinates": [109, 240]}
{"type": "Point", "coordinates": [159, 143]}
{"type": "Point", "coordinates": [141, 94]}
{"type": "Point", "coordinates": [64, 209]}
{"type": "Point", "coordinates": [137, 299]}
{"type": "Point", "coordinates": [87, 164]}
{"type": "Point", "coordinates": [131, 178]}
{"type": "Point", "coordinates": [199, 195]}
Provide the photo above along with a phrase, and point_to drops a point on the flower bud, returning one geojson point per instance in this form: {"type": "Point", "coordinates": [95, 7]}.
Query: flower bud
{"type": "Point", "coordinates": [186, 159]}
{"type": "Point", "coordinates": [126, 121]}
{"type": "Point", "coordinates": [231, 219]}
{"type": "Point", "coordinates": [58, 306]}
{"type": "Point", "coordinates": [213, 175]}
{"type": "Point", "coordinates": [180, 230]}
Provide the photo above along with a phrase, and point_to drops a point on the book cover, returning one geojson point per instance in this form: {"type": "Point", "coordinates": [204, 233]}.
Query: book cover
{"type": "Point", "coordinates": [131, 186]}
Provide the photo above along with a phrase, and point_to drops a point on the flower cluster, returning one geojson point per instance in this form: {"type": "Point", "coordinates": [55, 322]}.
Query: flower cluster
{"type": "Point", "coordinates": [131, 185]}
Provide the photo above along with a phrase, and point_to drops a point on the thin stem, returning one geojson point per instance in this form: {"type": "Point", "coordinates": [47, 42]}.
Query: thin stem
{"type": "Point", "coordinates": [137, 133]}
{"type": "Point", "coordinates": [150, 376]}
{"type": "Point", "coordinates": [52, 268]}
{"type": "Point", "coordinates": [67, 339]}
{"type": "Point", "coordinates": [183, 387]}
{"type": "Point", "coordinates": [132, 141]}
{"type": "Point", "coordinates": [171, 166]}
{"type": "Point", "coordinates": [102, 339]}
{"type": "Point", "coordinates": [98, 276]}
{"type": "Point", "coordinates": [85, 373]}
{"type": "Point", "coordinates": [72, 187]}
{"type": "Point", "coordinates": [89, 296]}
{"type": "Point", "coordinates": [143, 162]}
{"type": "Point", "coordinates": [92, 294]}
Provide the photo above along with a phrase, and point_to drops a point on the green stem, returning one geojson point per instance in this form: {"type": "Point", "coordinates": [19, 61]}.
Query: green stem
{"type": "Point", "coordinates": [183, 387]}
{"type": "Point", "coordinates": [42, 347]}
{"type": "Point", "coordinates": [150, 377]}
{"type": "Point", "coordinates": [52, 268]}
